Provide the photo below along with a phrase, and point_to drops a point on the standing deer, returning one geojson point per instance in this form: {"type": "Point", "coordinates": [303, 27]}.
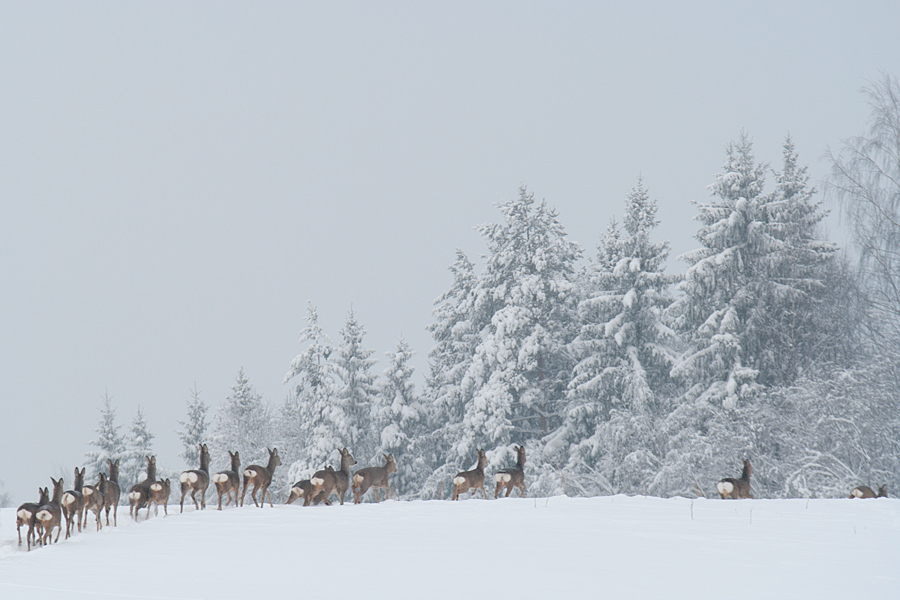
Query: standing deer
{"type": "Point", "coordinates": [73, 504]}
{"type": "Point", "coordinates": [736, 488]}
{"type": "Point", "coordinates": [159, 494]}
{"type": "Point", "coordinates": [864, 491]}
{"type": "Point", "coordinates": [113, 492]}
{"type": "Point", "coordinates": [50, 514]}
{"type": "Point", "coordinates": [513, 477]}
{"type": "Point", "coordinates": [229, 482]}
{"type": "Point", "coordinates": [94, 500]}
{"type": "Point", "coordinates": [139, 494]}
{"type": "Point", "coordinates": [196, 481]}
{"type": "Point", "coordinates": [473, 479]}
{"type": "Point", "coordinates": [261, 478]}
{"type": "Point", "coordinates": [27, 515]}
{"type": "Point", "coordinates": [328, 480]}
{"type": "Point", "coordinates": [375, 478]}
{"type": "Point", "coordinates": [301, 489]}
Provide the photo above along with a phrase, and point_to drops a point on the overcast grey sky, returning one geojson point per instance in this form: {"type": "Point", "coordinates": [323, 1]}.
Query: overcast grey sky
{"type": "Point", "coordinates": [178, 179]}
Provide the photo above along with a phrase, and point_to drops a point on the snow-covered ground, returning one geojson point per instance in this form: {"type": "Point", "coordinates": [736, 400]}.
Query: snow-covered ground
{"type": "Point", "coordinates": [612, 547]}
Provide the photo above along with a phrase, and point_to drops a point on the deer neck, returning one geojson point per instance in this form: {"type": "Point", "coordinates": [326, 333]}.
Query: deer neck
{"type": "Point", "coordinates": [204, 462]}
{"type": "Point", "coordinates": [345, 466]}
{"type": "Point", "coordinates": [271, 466]}
{"type": "Point", "coordinates": [235, 464]}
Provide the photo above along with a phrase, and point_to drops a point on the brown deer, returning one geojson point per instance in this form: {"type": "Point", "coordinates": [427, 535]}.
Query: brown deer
{"type": "Point", "coordinates": [50, 514]}
{"type": "Point", "coordinates": [159, 494]}
{"type": "Point", "coordinates": [113, 492]}
{"type": "Point", "coordinates": [94, 500]}
{"type": "Point", "coordinates": [27, 515]}
{"type": "Point", "coordinates": [328, 480]}
{"type": "Point", "coordinates": [864, 491]}
{"type": "Point", "coordinates": [473, 479]}
{"type": "Point", "coordinates": [513, 477]}
{"type": "Point", "coordinates": [229, 482]}
{"type": "Point", "coordinates": [301, 489]}
{"type": "Point", "coordinates": [736, 488]}
{"type": "Point", "coordinates": [375, 478]}
{"type": "Point", "coordinates": [73, 504]}
{"type": "Point", "coordinates": [139, 494]}
{"type": "Point", "coordinates": [261, 478]}
{"type": "Point", "coordinates": [196, 481]}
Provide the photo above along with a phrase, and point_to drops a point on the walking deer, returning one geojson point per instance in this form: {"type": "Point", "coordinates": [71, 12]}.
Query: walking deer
{"type": "Point", "coordinates": [473, 479]}
{"type": "Point", "coordinates": [27, 515]}
{"type": "Point", "coordinates": [50, 513]}
{"type": "Point", "coordinates": [94, 500]}
{"type": "Point", "coordinates": [375, 478]}
{"type": "Point", "coordinates": [196, 481]}
{"type": "Point", "coordinates": [736, 488]}
{"type": "Point", "coordinates": [73, 504]}
{"type": "Point", "coordinates": [513, 477]}
{"type": "Point", "coordinates": [229, 482]}
{"type": "Point", "coordinates": [113, 492]}
{"type": "Point", "coordinates": [261, 478]}
{"type": "Point", "coordinates": [864, 491]}
{"type": "Point", "coordinates": [328, 480]}
{"type": "Point", "coordinates": [159, 494]}
{"type": "Point", "coordinates": [301, 489]}
{"type": "Point", "coordinates": [139, 494]}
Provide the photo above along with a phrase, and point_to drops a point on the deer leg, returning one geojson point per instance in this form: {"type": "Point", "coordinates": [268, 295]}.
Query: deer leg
{"type": "Point", "coordinates": [194, 498]}
{"type": "Point", "coordinates": [115, 515]}
{"type": "Point", "coordinates": [246, 483]}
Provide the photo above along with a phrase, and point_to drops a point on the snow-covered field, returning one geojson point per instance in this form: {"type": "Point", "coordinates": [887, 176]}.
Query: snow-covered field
{"type": "Point", "coordinates": [613, 547]}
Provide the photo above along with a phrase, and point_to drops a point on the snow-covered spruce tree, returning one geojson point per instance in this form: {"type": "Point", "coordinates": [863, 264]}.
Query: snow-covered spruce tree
{"type": "Point", "coordinates": [526, 295]}
{"type": "Point", "coordinates": [625, 351]}
{"type": "Point", "coordinates": [193, 432]}
{"type": "Point", "coordinates": [241, 424]}
{"type": "Point", "coordinates": [108, 443]}
{"type": "Point", "coordinates": [398, 418]}
{"type": "Point", "coordinates": [138, 446]}
{"type": "Point", "coordinates": [356, 394]}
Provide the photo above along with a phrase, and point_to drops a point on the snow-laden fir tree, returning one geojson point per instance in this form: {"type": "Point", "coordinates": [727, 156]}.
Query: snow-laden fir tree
{"type": "Point", "coordinates": [138, 446]}
{"type": "Point", "coordinates": [526, 296]}
{"type": "Point", "coordinates": [241, 424]}
{"type": "Point", "coordinates": [193, 432]}
{"type": "Point", "coordinates": [307, 414]}
{"type": "Point", "coordinates": [356, 394]}
{"type": "Point", "coordinates": [109, 443]}
{"type": "Point", "coordinates": [398, 418]}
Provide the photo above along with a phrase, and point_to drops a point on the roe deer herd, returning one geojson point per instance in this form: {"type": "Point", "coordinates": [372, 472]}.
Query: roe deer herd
{"type": "Point", "coordinates": [41, 517]}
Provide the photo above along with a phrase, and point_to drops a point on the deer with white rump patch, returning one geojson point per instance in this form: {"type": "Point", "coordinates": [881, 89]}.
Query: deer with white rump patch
{"type": "Point", "coordinates": [139, 494]}
{"type": "Point", "coordinates": [159, 494]}
{"type": "Point", "coordinates": [736, 488]}
{"type": "Point", "coordinates": [864, 491]}
{"type": "Point", "coordinates": [229, 482]}
{"type": "Point", "coordinates": [375, 478]}
{"type": "Point", "coordinates": [471, 480]}
{"type": "Point", "coordinates": [196, 481]}
{"type": "Point", "coordinates": [73, 504]}
{"type": "Point", "coordinates": [113, 491]}
{"type": "Point", "coordinates": [261, 478]}
{"type": "Point", "coordinates": [94, 500]}
{"type": "Point", "coordinates": [301, 489]}
{"type": "Point", "coordinates": [328, 480]}
{"type": "Point", "coordinates": [27, 515]}
{"type": "Point", "coordinates": [513, 477]}
{"type": "Point", "coordinates": [49, 515]}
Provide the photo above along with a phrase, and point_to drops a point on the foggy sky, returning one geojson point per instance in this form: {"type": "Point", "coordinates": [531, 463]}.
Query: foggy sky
{"type": "Point", "coordinates": [178, 180]}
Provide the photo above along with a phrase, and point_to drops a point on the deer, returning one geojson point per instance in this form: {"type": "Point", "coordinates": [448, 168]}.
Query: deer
{"type": "Point", "coordinates": [261, 478]}
{"type": "Point", "coordinates": [328, 480]}
{"type": "Point", "coordinates": [113, 492]}
{"type": "Point", "coordinates": [301, 489]}
{"type": "Point", "coordinates": [375, 478]}
{"type": "Point", "coordinates": [196, 481]}
{"type": "Point", "coordinates": [73, 504]}
{"type": "Point", "coordinates": [736, 488]}
{"type": "Point", "coordinates": [95, 499]}
{"type": "Point", "coordinates": [513, 477]}
{"type": "Point", "coordinates": [864, 491]}
{"type": "Point", "coordinates": [50, 514]}
{"type": "Point", "coordinates": [229, 482]}
{"type": "Point", "coordinates": [473, 479]}
{"type": "Point", "coordinates": [159, 494]}
{"type": "Point", "coordinates": [139, 494]}
{"type": "Point", "coordinates": [27, 515]}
